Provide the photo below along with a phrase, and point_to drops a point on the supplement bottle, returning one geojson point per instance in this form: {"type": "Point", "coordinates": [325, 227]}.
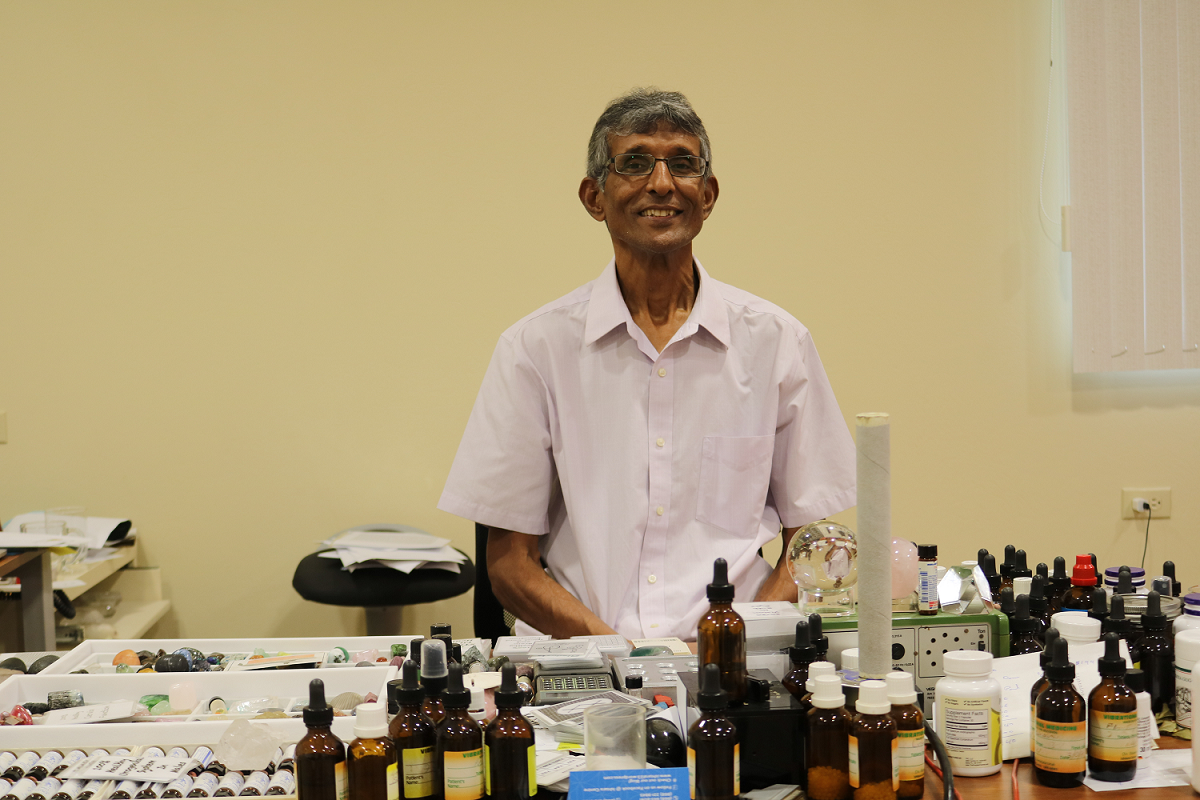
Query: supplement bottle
{"type": "Point", "coordinates": [370, 757]}
{"type": "Point", "coordinates": [1024, 637]}
{"type": "Point", "coordinates": [874, 747]}
{"type": "Point", "coordinates": [1122, 626]}
{"type": "Point", "coordinates": [1112, 719]}
{"type": "Point", "coordinates": [1083, 579]}
{"type": "Point", "coordinates": [509, 757]}
{"type": "Point", "coordinates": [1190, 618]}
{"type": "Point", "coordinates": [413, 735]}
{"type": "Point", "coordinates": [320, 755]}
{"type": "Point", "coordinates": [433, 678]}
{"type": "Point", "coordinates": [1041, 683]}
{"type": "Point", "coordinates": [1058, 585]}
{"type": "Point", "coordinates": [801, 655]}
{"type": "Point", "coordinates": [910, 734]}
{"type": "Point", "coordinates": [818, 639]}
{"type": "Point", "coordinates": [1060, 735]}
{"type": "Point", "coordinates": [969, 698]}
{"type": "Point", "coordinates": [714, 759]}
{"type": "Point", "coordinates": [927, 596]}
{"type": "Point", "coordinates": [1158, 655]}
{"type": "Point", "coordinates": [458, 768]}
{"type": "Point", "coordinates": [815, 670]}
{"type": "Point", "coordinates": [1135, 679]}
{"type": "Point", "coordinates": [828, 742]}
{"type": "Point", "coordinates": [721, 635]}
{"type": "Point", "coordinates": [1187, 653]}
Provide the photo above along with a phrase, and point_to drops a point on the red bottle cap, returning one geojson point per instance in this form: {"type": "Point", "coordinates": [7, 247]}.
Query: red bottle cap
{"type": "Point", "coordinates": [1084, 573]}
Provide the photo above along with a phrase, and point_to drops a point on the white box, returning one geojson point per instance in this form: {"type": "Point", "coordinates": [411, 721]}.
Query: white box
{"type": "Point", "coordinates": [770, 627]}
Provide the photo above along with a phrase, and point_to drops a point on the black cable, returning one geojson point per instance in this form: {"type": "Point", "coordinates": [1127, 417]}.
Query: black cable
{"type": "Point", "coordinates": [939, 750]}
{"type": "Point", "coordinates": [1149, 514]}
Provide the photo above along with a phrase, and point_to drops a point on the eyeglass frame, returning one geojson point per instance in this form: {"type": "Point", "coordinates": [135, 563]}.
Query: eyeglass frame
{"type": "Point", "coordinates": [703, 166]}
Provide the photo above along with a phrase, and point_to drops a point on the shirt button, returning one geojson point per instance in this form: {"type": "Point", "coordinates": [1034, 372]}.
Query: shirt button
{"type": "Point", "coordinates": [662, 372]}
{"type": "Point", "coordinates": [661, 441]}
{"type": "Point", "coordinates": [659, 511]}
{"type": "Point", "coordinates": [653, 624]}
{"type": "Point", "coordinates": [652, 579]}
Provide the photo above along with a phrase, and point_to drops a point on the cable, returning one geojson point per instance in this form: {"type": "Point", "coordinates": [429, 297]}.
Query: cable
{"type": "Point", "coordinates": [947, 775]}
{"type": "Point", "coordinates": [1149, 515]}
{"type": "Point", "coordinates": [1016, 791]}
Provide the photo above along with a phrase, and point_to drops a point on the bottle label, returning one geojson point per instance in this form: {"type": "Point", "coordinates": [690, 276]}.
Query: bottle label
{"type": "Point", "coordinates": [182, 784]}
{"type": "Point", "coordinates": [854, 762]}
{"type": "Point", "coordinates": [910, 749]}
{"type": "Point", "coordinates": [691, 764]}
{"type": "Point", "coordinates": [1032, 727]}
{"type": "Point", "coordinates": [1147, 726]}
{"type": "Point", "coordinates": [206, 782]}
{"type": "Point", "coordinates": [1183, 696]}
{"type": "Point", "coordinates": [26, 761]}
{"type": "Point", "coordinates": [287, 781]}
{"type": "Point", "coordinates": [339, 781]}
{"type": "Point", "coordinates": [927, 599]}
{"type": "Point", "coordinates": [463, 774]}
{"type": "Point", "coordinates": [233, 781]}
{"type": "Point", "coordinates": [72, 758]}
{"type": "Point", "coordinates": [49, 761]}
{"type": "Point", "coordinates": [972, 730]}
{"type": "Point", "coordinates": [258, 781]}
{"type": "Point", "coordinates": [72, 788]}
{"type": "Point", "coordinates": [418, 771]}
{"type": "Point", "coordinates": [393, 781]}
{"type": "Point", "coordinates": [692, 773]}
{"type": "Point", "coordinates": [531, 757]}
{"type": "Point", "coordinates": [1061, 746]}
{"type": "Point", "coordinates": [737, 769]}
{"type": "Point", "coordinates": [203, 755]}
{"type": "Point", "coordinates": [1113, 736]}
{"type": "Point", "coordinates": [48, 787]}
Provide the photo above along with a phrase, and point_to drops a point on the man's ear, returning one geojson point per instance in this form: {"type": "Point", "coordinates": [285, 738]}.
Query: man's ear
{"type": "Point", "coordinates": [711, 190]}
{"type": "Point", "coordinates": [589, 195]}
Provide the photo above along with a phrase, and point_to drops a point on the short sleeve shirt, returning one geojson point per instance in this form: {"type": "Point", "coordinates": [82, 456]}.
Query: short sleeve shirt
{"type": "Point", "coordinates": [639, 468]}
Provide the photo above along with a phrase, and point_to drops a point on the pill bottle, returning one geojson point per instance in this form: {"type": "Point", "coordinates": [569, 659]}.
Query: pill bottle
{"type": "Point", "coordinates": [1187, 653]}
{"type": "Point", "coordinates": [1190, 618]}
{"type": "Point", "coordinates": [910, 734]}
{"type": "Point", "coordinates": [970, 698]}
{"type": "Point", "coordinates": [828, 742]}
{"type": "Point", "coordinates": [927, 579]}
{"type": "Point", "coordinates": [1137, 580]}
{"type": "Point", "coordinates": [1076, 628]}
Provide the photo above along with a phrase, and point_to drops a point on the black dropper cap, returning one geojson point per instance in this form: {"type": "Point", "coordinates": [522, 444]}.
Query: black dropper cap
{"type": "Point", "coordinates": [1007, 601]}
{"type": "Point", "coordinates": [509, 695]}
{"type": "Point", "coordinates": [988, 565]}
{"type": "Point", "coordinates": [409, 691]}
{"type": "Point", "coordinates": [631, 681]}
{"type": "Point", "coordinates": [1124, 581]}
{"type": "Point", "coordinates": [1049, 637]}
{"type": "Point", "coordinates": [1169, 571]}
{"type": "Point", "coordinates": [1021, 622]}
{"type": "Point", "coordinates": [712, 696]}
{"type": "Point", "coordinates": [1095, 564]}
{"type": "Point", "coordinates": [1154, 619]}
{"type": "Point", "coordinates": [414, 651]}
{"type": "Point", "coordinates": [1060, 669]}
{"type": "Point", "coordinates": [317, 713]}
{"type": "Point", "coordinates": [1037, 595]}
{"type": "Point", "coordinates": [1060, 571]}
{"type": "Point", "coordinates": [439, 629]}
{"type": "Point", "coordinates": [1021, 566]}
{"type": "Point", "coordinates": [1111, 664]}
{"type": "Point", "coordinates": [1099, 608]}
{"type": "Point", "coordinates": [457, 695]}
{"type": "Point", "coordinates": [1042, 569]}
{"type": "Point", "coordinates": [803, 651]}
{"type": "Point", "coordinates": [720, 590]}
{"type": "Point", "coordinates": [1117, 622]}
{"type": "Point", "coordinates": [1135, 679]}
{"type": "Point", "coordinates": [819, 640]}
{"type": "Point", "coordinates": [456, 652]}
{"type": "Point", "coordinates": [1010, 556]}
{"type": "Point", "coordinates": [979, 556]}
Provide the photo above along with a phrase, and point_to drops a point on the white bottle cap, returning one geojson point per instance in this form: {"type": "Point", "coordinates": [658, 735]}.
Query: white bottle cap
{"type": "Point", "coordinates": [828, 693]}
{"type": "Point", "coordinates": [1022, 586]}
{"type": "Point", "coordinates": [1187, 647]}
{"type": "Point", "coordinates": [815, 670]}
{"type": "Point", "coordinates": [478, 701]}
{"type": "Point", "coordinates": [901, 691]}
{"type": "Point", "coordinates": [370, 721]}
{"type": "Point", "coordinates": [850, 658]}
{"type": "Point", "coordinates": [967, 663]}
{"type": "Point", "coordinates": [1076, 627]}
{"type": "Point", "coordinates": [873, 698]}
{"type": "Point", "coordinates": [969, 564]}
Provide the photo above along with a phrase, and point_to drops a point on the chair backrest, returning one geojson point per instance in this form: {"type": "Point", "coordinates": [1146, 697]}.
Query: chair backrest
{"type": "Point", "coordinates": [489, 614]}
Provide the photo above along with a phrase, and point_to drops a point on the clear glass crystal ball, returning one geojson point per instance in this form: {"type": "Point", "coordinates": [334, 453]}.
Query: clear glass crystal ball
{"type": "Point", "coordinates": [823, 557]}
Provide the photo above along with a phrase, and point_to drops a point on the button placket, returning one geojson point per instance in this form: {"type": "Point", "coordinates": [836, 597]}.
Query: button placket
{"type": "Point", "coordinates": [652, 605]}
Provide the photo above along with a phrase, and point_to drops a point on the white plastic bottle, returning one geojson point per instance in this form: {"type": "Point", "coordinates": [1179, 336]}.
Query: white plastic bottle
{"type": "Point", "coordinates": [1187, 653]}
{"type": "Point", "coordinates": [969, 698]}
{"type": "Point", "coordinates": [1147, 727]}
{"type": "Point", "coordinates": [1076, 628]}
{"type": "Point", "coordinates": [1190, 618]}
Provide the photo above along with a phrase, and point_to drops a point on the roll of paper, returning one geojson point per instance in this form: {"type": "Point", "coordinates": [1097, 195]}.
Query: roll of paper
{"type": "Point", "coordinates": [874, 545]}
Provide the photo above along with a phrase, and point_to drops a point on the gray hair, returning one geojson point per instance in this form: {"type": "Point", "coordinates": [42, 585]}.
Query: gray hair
{"type": "Point", "coordinates": [642, 111]}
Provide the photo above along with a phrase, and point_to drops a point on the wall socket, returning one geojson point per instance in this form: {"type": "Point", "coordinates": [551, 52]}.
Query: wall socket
{"type": "Point", "coordinates": [1158, 498]}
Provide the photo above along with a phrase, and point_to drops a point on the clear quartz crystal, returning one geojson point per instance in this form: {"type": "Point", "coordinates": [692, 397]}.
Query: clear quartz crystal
{"type": "Point", "coordinates": [823, 561]}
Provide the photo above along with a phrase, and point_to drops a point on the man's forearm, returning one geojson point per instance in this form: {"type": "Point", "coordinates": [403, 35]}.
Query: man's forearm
{"type": "Point", "coordinates": [528, 593]}
{"type": "Point", "coordinates": [779, 584]}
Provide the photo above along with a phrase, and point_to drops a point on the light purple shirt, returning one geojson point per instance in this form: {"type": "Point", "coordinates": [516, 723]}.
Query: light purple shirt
{"type": "Point", "coordinates": [639, 468]}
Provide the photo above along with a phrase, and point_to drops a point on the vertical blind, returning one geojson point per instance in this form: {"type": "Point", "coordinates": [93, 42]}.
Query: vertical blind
{"type": "Point", "coordinates": [1133, 118]}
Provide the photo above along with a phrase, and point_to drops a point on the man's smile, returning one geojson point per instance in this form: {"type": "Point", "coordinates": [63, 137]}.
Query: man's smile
{"type": "Point", "coordinates": [659, 212]}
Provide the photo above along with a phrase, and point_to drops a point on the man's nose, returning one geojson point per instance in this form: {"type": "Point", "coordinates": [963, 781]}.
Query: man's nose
{"type": "Point", "coordinates": [660, 181]}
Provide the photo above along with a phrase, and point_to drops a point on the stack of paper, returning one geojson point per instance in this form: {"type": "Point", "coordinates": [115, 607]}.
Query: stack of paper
{"type": "Point", "coordinates": [404, 550]}
{"type": "Point", "coordinates": [558, 654]}
{"type": "Point", "coordinates": [565, 720]}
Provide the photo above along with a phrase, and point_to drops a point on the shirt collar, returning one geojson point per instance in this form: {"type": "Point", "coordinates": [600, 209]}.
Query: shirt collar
{"type": "Point", "coordinates": [607, 309]}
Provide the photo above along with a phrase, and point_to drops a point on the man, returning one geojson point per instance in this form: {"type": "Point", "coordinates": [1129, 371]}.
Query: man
{"type": "Point", "coordinates": [630, 433]}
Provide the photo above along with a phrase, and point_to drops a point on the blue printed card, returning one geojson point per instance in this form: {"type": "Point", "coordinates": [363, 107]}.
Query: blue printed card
{"type": "Point", "coordinates": [630, 784]}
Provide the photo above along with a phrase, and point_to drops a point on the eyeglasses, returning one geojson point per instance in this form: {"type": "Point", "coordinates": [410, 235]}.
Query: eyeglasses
{"type": "Point", "coordinates": [641, 164]}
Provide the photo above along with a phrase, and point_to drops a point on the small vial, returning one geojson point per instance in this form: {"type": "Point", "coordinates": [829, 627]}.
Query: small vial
{"type": "Point", "coordinates": [927, 596]}
{"type": "Point", "coordinates": [126, 790]}
{"type": "Point", "coordinates": [179, 787]}
{"type": "Point", "coordinates": [988, 567]}
{"type": "Point", "coordinates": [1123, 627]}
{"type": "Point", "coordinates": [1099, 609]}
{"type": "Point", "coordinates": [91, 790]}
{"type": "Point", "coordinates": [256, 784]}
{"type": "Point", "coordinates": [910, 733]}
{"type": "Point", "coordinates": [1008, 602]}
{"type": "Point", "coordinates": [1112, 750]}
{"type": "Point", "coordinates": [17, 769]}
{"type": "Point", "coordinates": [45, 764]}
{"type": "Point", "coordinates": [412, 734]}
{"type": "Point", "coordinates": [818, 639]}
{"type": "Point", "coordinates": [1060, 733]}
{"type": "Point", "coordinates": [205, 785]}
{"type": "Point", "coordinates": [1147, 726]}
{"type": "Point", "coordinates": [714, 760]}
{"type": "Point", "coordinates": [45, 789]}
{"type": "Point", "coordinates": [970, 696]}
{"type": "Point", "coordinates": [282, 783]}
{"type": "Point", "coordinates": [69, 760]}
{"type": "Point", "coordinates": [633, 686]}
{"type": "Point", "coordinates": [1010, 558]}
{"type": "Point", "coordinates": [874, 768]}
{"type": "Point", "coordinates": [433, 678]}
{"type": "Point", "coordinates": [721, 635]}
{"type": "Point", "coordinates": [231, 785]}
{"type": "Point", "coordinates": [828, 741]}
{"type": "Point", "coordinates": [70, 790]}
{"type": "Point", "coordinates": [1039, 608]}
{"type": "Point", "coordinates": [7, 759]}
{"type": "Point", "coordinates": [1059, 584]}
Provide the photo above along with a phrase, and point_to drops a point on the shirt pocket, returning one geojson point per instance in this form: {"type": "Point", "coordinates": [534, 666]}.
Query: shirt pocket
{"type": "Point", "coordinates": [735, 472]}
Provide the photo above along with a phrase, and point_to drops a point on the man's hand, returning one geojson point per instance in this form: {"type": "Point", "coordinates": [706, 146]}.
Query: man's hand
{"type": "Point", "coordinates": [779, 584]}
{"type": "Point", "coordinates": [514, 564]}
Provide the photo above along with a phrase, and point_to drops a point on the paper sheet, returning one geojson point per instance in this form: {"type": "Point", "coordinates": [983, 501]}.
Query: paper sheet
{"type": "Point", "coordinates": [1162, 768]}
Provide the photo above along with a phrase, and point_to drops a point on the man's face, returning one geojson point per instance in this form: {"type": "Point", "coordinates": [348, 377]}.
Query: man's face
{"type": "Point", "coordinates": [653, 214]}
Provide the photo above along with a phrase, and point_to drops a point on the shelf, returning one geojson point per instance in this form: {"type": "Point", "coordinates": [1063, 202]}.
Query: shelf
{"type": "Point", "coordinates": [94, 573]}
{"type": "Point", "coordinates": [131, 621]}
{"type": "Point", "coordinates": [10, 563]}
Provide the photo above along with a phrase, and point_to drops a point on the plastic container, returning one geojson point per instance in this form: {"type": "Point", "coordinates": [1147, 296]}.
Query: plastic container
{"type": "Point", "coordinates": [828, 743]}
{"type": "Point", "coordinates": [1137, 574]}
{"type": "Point", "coordinates": [910, 731]}
{"type": "Point", "coordinates": [874, 751]}
{"type": "Point", "coordinates": [971, 697]}
{"type": "Point", "coordinates": [1187, 653]}
{"type": "Point", "coordinates": [1076, 628]}
{"type": "Point", "coordinates": [1190, 618]}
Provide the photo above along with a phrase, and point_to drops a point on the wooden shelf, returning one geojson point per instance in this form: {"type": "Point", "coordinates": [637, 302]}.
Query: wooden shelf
{"type": "Point", "coordinates": [92, 574]}
{"type": "Point", "coordinates": [131, 621]}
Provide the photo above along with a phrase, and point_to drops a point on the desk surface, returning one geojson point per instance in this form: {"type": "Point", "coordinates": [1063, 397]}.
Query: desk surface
{"type": "Point", "coordinates": [999, 787]}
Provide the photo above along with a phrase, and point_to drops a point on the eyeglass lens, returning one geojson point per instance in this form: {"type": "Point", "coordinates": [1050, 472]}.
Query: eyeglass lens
{"type": "Point", "coordinates": [643, 164]}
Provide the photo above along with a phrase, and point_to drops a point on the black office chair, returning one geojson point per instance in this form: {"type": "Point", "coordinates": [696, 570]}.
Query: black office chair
{"type": "Point", "coordinates": [490, 616]}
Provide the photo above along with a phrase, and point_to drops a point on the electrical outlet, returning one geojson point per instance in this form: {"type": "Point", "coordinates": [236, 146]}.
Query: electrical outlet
{"type": "Point", "coordinates": [1159, 500]}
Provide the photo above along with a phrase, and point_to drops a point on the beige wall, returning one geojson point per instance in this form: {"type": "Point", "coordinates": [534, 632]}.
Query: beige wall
{"type": "Point", "coordinates": [254, 258]}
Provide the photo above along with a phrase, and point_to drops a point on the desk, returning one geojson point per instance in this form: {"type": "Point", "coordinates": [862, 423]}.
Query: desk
{"type": "Point", "coordinates": [32, 567]}
{"type": "Point", "coordinates": [999, 787]}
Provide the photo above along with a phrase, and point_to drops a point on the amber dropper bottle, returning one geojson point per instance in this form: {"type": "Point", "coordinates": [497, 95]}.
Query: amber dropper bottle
{"type": "Point", "coordinates": [320, 754]}
{"type": "Point", "coordinates": [1010, 558]}
{"type": "Point", "coordinates": [1059, 583]}
{"type": "Point", "coordinates": [828, 742]}
{"type": "Point", "coordinates": [433, 678]}
{"type": "Point", "coordinates": [1024, 637]}
{"type": "Point", "coordinates": [1008, 603]}
{"type": "Point", "coordinates": [819, 640]}
{"type": "Point", "coordinates": [1083, 578]}
{"type": "Point", "coordinates": [1060, 734]}
{"type": "Point", "coordinates": [413, 735]}
{"type": "Point", "coordinates": [1099, 609]}
{"type": "Point", "coordinates": [874, 772]}
{"type": "Point", "coordinates": [910, 732]}
{"type": "Point", "coordinates": [459, 764]}
{"type": "Point", "coordinates": [714, 760]}
{"type": "Point", "coordinates": [721, 635]}
{"type": "Point", "coordinates": [988, 565]}
{"type": "Point", "coordinates": [1158, 654]}
{"type": "Point", "coordinates": [1050, 637]}
{"type": "Point", "coordinates": [370, 757]}
{"type": "Point", "coordinates": [1038, 607]}
{"type": "Point", "coordinates": [1112, 719]}
{"type": "Point", "coordinates": [801, 655]}
{"type": "Point", "coordinates": [1122, 626]}
{"type": "Point", "coordinates": [509, 756]}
